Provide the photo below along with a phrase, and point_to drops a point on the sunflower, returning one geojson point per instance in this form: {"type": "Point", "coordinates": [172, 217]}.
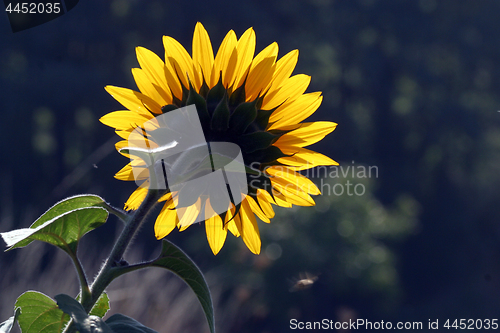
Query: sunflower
{"type": "Point", "coordinates": [252, 102]}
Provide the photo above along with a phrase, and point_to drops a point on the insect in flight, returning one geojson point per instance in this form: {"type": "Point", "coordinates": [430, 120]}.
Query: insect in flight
{"type": "Point", "coordinates": [304, 281]}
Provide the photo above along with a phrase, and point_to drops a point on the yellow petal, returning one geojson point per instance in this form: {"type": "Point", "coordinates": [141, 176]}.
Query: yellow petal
{"type": "Point", "coordinates": [256, 209]}
{"type": "Point", "coordinates": [280, 199]}
{"type": "Point", "coordinates": [137, 197]}
{"type": "Point", "coordinates": [134, 101]}
{"type": "Point", "coordinates": [136, 162]}
{"type": "Point", "coordinates": [291, 89]}
{"type": "Point", "coordinates": [154, 68]}
{"type": "Point", "coordinates": [271, 51]}
{"type": "Point", "coordinates": [287, 187]}
{"type": "Point", "coordinates": [140, 136]}
{"type": "Point", "coordinates": [123, 133]}
{"type": "Point", "coordinates": [181, 61]}
{"type": "Point", "coordinates": [203, 54]}
{"type": "Point", "coordinates": [306, 134]}
{"type": "Point", "coordinates": [230, 223]}
{"type": "Point", "coordinates": [245, 50]}
{"type": "Point", "coordinates": [166, 220]}
{"type": "Point", "coordinates": [296, 161]}
{"type": "Point", "coordinates": [124, 120]}
{"type": "Point", "coordinates": [292, 194]}
{"type": "Point", "coordinates": [167, 196]}
{"type": "Point", "coordinates": [295, 178]}
{"type": "Point", "coordinates": [138, 174]}
{"type": "Point", "coordinates": [227, 50]}
{"type": "Point", "coordinates": [294, 112]}
{"type": "Point", "coordinates": [216, 233]}
{"type": "Point", "coordinates": [228, 72]}
{"type": "Point", "coordinates": [148, 88]}
{"type": "Point", "coordinates": [121, 144]}
{"type": "Point", "coordinates": [173, 80]}
{"type": "Point", "coordinates": [125, 173]}
{"type": "Point", "coordinates": [284, 68]}
{"type": "Point", "coordinates": [264, 199]}
{"type": "Point", "coordinates": [261, 74]}
{"type": "Point", "coordinates": [187, 215]}
{"type": "Point", "coordinates": [258, 78]}
{"type": "Point", "coordinates": [248, 228]}
{"type": "Point", "coordinates": [231, 226]}
{"type": "Point", "coordinates": [265, 195]}
{"type": "Point", "coordinates": [303, 159]}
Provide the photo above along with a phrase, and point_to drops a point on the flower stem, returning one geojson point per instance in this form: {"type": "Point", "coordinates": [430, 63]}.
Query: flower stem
{"type": "Point", "coordinates": [105, 276]}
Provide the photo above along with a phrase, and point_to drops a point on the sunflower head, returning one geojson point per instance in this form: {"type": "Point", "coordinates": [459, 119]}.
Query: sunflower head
{"type": "Point", "coordinates": [235, 115]}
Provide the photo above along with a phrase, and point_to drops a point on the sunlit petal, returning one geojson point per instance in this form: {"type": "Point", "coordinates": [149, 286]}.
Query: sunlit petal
{"type": "Point", "coordinates": [203, 54]}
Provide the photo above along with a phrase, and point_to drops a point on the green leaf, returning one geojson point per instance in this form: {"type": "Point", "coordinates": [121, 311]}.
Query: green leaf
{"type": "Point", "coordinates": [40, 314]}
{"type": "Point", "coordinates": [69, 204]}
{"type": "Point", "coordinates": [175, 260]}
{"type": "Point", "coordinates": [123, 324]}
{"type": "Point", "coordinates": [72, 307]}
{"type": "Point", "coordinates": [16, 238]}
{"type": "Point", "coordinates": [7, 325]}
{"type": "Point", "coordinates": [63, 231]}
{"type": "Point", "coordinates": [83, 322]}
{"type": "Point", "coordinates": [101, 307]}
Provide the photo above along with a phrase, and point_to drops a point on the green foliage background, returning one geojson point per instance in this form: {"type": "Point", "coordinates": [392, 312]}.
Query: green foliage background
{"type": "Point", "coordinates": [414, 86]}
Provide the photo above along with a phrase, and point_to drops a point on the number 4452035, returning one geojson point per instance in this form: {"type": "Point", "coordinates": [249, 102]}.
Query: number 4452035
{"type": "Point", "coordinates": [34, 8]}
{"type": "Point", "coordinates": [472, 324]}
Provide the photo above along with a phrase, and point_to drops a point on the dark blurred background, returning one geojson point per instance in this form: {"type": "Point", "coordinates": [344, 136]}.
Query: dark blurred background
{"type": "Point", "coordinates": [415, 89]}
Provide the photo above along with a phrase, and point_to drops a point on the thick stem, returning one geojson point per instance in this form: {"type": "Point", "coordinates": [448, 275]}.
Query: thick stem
{"type": "Point", "coordinates": [105, 276]}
